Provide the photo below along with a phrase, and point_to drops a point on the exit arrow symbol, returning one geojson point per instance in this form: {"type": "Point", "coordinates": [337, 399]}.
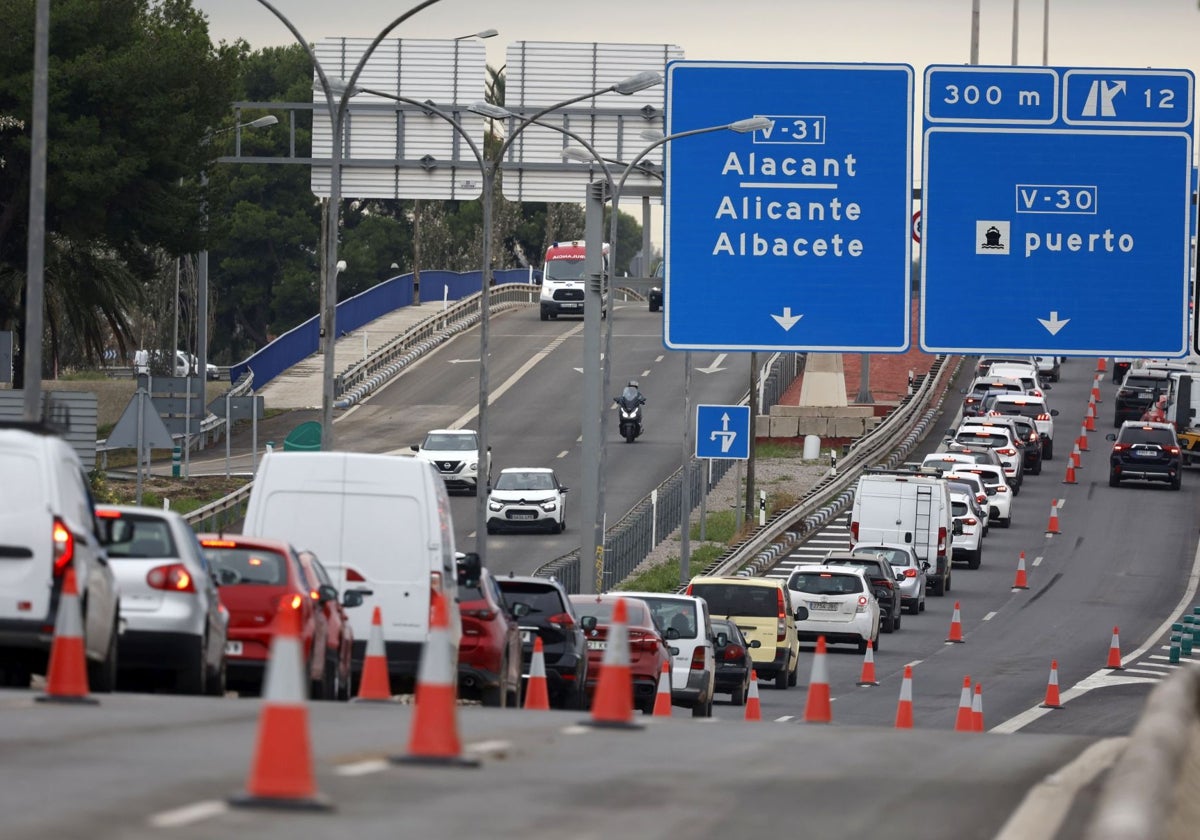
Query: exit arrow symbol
{"type": "Point", "coordinates": [787, 320]}
{"type": "Point", "coordinates": [1054, 325]}
{"type": "Point", "coordinates": [716, 364]}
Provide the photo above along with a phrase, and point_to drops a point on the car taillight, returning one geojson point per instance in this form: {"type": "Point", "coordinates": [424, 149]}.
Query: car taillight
{"type": "Point", "coordinates": [64, 546]}
{"type": "Point", "coordinates": [1043, 417]}
{"type": "Point", "coordinates": [862, 603]}
{"type": "Point", "coordinates": [171, 578]}
{"type": "Point", "coordinates": [561, 620]}
{"type": "Point", "coordinates": [910, 573]}
{"type": "Point", "coordinates": [1003, 488]}
{"type": "Point", "coordinates": [291, 601]}
{"type": "Point", "coordinates": [885, 583]}
{"type": "Point", "coordinates": [941, 540]}
{"type": "Point", "coordinates": [734, 653]}
{"type": "Point", "coordinates": [1006, 451]}
{"type": "Point", "coordinates": [971, 520]}
{"type": "Point", "coordinates": [1120, 447]}
{"type": "Point", "coordinates": [352, 575]}
{"type": "Point", "coordinates": [314, 594]}
{"type": "Point", "coordinates": [1172, 450]}
{"type": "Point", "coordinates": [483, 615]}
{"type": "Point", "coordinates": [981, 498]}
{"type": "Point", "coordinates": [697, 659]}
{"type": "Point", "coordinates": [639, 640]}
{"type": "Point", "coordinates": [688, 591]}
{"type": "Point", "coordinates": [853, 533]}
{"type": "Point", "coordinates": [218, 543]}
{"type": "Point", "coordinates": [781, 628]}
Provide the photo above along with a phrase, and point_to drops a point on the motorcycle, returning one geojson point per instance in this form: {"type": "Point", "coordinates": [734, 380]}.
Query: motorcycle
{"type": "Point", "coordinates": [631, 417]}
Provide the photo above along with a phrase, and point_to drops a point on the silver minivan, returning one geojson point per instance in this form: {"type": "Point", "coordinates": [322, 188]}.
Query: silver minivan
{"type": "Point", "coordinates": [685, 623]}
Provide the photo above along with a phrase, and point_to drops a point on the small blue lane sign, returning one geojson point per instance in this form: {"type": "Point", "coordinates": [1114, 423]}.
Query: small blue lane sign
{"type": "Point", "coordinates": [1056, 211]}
{"type": "Point", "coordinates": [723, 431]}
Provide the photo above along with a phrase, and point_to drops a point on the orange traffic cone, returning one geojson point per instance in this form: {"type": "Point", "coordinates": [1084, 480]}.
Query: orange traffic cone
{"type": "Point", "coordinates": [904, 710]}
{"type": "Point", "coordinates": [956, 633]}
{"type": "Point", "coordinates": [612, 705]}
{"type": "Point", "coordinates": [1114, 653]}
{"type": "Point", "coordinates": [1052, 700]}
{"type": "Point", "coordinates": [66, 678]}
{"type": "Point", "coordinates": [1070, 477]}
{"type": "Point", "coordinates": [1083, 444]}
{"type": "Point", "coordinates": [868, 667]}
{"type": "Point", "coordinates": [281, 775]}
{"type": "Point", "coordinates": [1021, 582]}
{"type": "Point", "coordinates": [374, 685]}
{"type": "Point", "coordinates": [1101, 364]}
{"type": "Point", "coordinates": [753, 709]}
{"type": "Point", "coordinates": [1075, 456]}
{"type": "Point", "coordinates": [1096, 390]}
{"type": "Point", "coordinates": [977, 709]}
{"type": "Point", "coordinates": [1052, 526]}
{"type": "Point", "coordinates": [1089, 422]}
{"type": "Point", "coordinates": [433, 736]}
{"type": "Point", "coordinates": [817, 709]}
{"type": "Point", "coordinates": [962, 722]}
{"type": "Point", "coordinates": [662, 700]}
{"type": "Point", "coordinates": [537, 694]}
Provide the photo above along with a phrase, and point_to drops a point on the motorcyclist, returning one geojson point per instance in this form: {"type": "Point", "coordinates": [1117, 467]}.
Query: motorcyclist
{"type": "Point", "coordinates": [631, 397]}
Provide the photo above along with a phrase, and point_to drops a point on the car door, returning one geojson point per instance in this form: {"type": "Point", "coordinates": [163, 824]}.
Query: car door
{"type": "Point", "coordinates": [217, 619]}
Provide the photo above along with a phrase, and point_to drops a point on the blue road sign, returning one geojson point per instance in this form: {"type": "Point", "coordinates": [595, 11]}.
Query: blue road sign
{"type": "Point", "coordinates": [723, 431]}
{"type": "Point", "coordinates": [796, 237]}
{"type": "Point", "coordinates": [1056, 211]}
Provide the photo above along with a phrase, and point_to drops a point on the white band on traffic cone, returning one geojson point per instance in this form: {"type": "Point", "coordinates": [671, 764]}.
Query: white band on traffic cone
{"type": "Point", "coordinates": [375, 640]}
{"type": "Point", "coordinates": [284, 682]}
{"type": "Point", "coordinates": [537, 667]}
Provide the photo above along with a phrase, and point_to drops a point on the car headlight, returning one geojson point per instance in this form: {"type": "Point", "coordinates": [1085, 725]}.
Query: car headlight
{"type": "Point", "coordinates": [474, 467]}
{"type": "Point", "coordinates": [495, 505]}
{"type": "Point", "coordinates": [549, 505]}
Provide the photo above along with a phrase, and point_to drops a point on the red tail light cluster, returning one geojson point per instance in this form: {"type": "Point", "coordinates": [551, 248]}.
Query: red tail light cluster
{"type": "Point", "coordinates": [642, 641]}
{"type": "Point", "coordinates": [64, 546]}
{"type": "Point", "coordinates": [291, 601]}
{"type": "Point", "coordinates": [1043, 417]}
{"type": "Point", "coordinates": [781, 629]}
{"type": "Point", "coordinates": [1006, 451]}
{"type": "Point", "coordinates": [853, 533]}
{"type": "Point", "coordinates": [941, 540]}
{"type": "Point", "coordinates": [483, 615]}
{"type": "Point", "coordinates": [561, 620]}
{"type": "Point", "coordinates": [353, 575]}
{"type": "Point", "coordinates": [171, 578]}
{"type": "Point", "coordinates": [910, 572]}
{"type": "Point", "coordinates": [733, 653]}
{"type": "Point", "coordinates": [1172, 450]}
{"type": "Point", "coordinates": [697, 659]}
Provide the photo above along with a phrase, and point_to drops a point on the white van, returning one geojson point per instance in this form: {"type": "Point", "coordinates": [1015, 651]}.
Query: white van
{"type": "Point", "coordinates": [906, 509]}
{"type": "Point", "coordinates": [379, 523]}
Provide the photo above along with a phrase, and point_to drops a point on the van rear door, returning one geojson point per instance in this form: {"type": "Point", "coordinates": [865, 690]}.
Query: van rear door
{"type": "Point", "coordinates": [26, 537]}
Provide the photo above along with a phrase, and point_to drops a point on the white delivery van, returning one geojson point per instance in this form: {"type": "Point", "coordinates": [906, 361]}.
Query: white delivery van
{"type": "Point", "coordinates": [906, 509]}
{"type": "Point", "coordinates": [379, 523]}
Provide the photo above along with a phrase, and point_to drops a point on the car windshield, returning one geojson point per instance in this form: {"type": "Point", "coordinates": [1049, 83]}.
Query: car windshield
{"type": "Point", "coordinates": [894, 556]}
{"type": "Point", "coordinates": [1147, 434]}
{"type": "Point", "coordinates": [136, 537]}
{"type": "Point", "coordinates": [738, 599]}
{"type": "Point", "coordinates": [525, 481]}
{"type": "Point", "coordinates": [564, 269]}
{"type": "Point", "coordinates": [248, 566]}
{"type": "Point", "coordinates": [543, 600]}
{"type": "Point", "coordinates": [825, 583]}
{"type": "Point", "coordinates": [602, 610]}
{"type": "Point", "coordinates": [451, 443]}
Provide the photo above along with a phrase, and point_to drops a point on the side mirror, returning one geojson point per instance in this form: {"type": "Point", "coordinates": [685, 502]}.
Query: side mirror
{"type": "Point", "coordinates": [801, 614]}
{"type": "Point", "coordinates": [563, 489]}
{"type": "Point", "coordinates": [519, 610]}
{"type": "Point", "coordinates": [326, 593]}
{"type": "Point", "coordinates": [1110, 436]}
{"type": "Point", "coordinates": [470, 569]}
{"type": "Point", "coordinates": [755, 643]}
{"type": "Point", "coordinates": [588, 623]}
{"type": "Point", "coordinates": [957, 529]}
{"type": "Point", "coordinates": [1046, 388]}
{"type": "Point", "coordinates": [354, 597]}
{"type": "Point", "coordinates": [925, 567]}
{"type": "Point", "coordinates": [416, 447]}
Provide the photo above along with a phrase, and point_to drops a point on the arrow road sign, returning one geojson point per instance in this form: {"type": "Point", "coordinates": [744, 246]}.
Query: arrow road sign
{"type": "Point", "coordinates": [723, 431]}
{"type": "Point", "coordinates": [793, 237]}
{"type": "Point", "coordinates": [1056, 191]}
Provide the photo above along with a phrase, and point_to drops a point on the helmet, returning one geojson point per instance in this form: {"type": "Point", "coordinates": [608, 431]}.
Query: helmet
{"type": "Point", "coordinates": [633, 383]}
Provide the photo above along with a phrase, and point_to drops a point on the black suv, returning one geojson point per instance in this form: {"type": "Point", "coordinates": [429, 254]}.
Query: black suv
{"type": "Point", "coordinates": [1034, 453]}
{"type": "Point", "coordinates": [546, 611]}
{"type": "Point", "coordinates": [1145, 452]}
{"type": "Point", "coordinates": [1139, 391]}
{"type": "Point", "coordinates": [884, 585]}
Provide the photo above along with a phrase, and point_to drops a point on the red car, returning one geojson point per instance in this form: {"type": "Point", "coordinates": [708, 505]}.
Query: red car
{"type": "Point", "coordinates": [489, 652]}
{"type": "Point", "coordinates": [258, 578]}
{"type": "Point", "coordinates": [339, 635]}
{"type": "Point", "coordinates": [647, 649]}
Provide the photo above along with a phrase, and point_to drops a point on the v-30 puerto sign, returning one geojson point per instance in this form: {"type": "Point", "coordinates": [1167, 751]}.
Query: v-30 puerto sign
{"type": "Point", "coordinates": [795, 237]}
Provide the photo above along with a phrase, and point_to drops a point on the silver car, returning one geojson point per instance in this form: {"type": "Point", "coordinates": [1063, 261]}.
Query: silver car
{"type": "Point", "coordinates": [174, 624]}
{"type": "Point", "coordinates": [910, 571]}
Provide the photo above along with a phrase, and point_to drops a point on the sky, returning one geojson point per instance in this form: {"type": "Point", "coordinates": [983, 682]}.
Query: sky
{"type": "Point", "coordinates": [1163, 34]}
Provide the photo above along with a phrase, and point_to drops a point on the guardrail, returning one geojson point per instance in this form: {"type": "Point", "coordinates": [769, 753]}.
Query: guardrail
{"type": "Point", "coordinates": [219, 515]}
{"type": "Point", "coordinates": [656, 516]}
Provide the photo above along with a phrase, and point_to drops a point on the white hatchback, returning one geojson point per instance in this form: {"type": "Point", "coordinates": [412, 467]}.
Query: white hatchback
{"type": "Point", "coordinates": [968, 541]}
{"type": "Point", "coordinates": [525, 499]}
{"type": "Point", "coordinates": [839, 605]}
{"type": "Point", "coordinates": [1000, 496]}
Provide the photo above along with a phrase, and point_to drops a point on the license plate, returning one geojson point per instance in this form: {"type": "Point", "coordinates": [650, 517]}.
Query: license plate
{"type": "Point", "coordinates": [822, 605]}
{"type": "Point", "coordinates": [1144, 453]}
{"type": "Point", "coordinates": [233, 648]}
{"type": "Point", "coordinates": [524, 516]}
{"type": "Point", "coordinates": [596, 644]}
{"type": "Point", "coordinates": [526, 637]}
{"type": "Point", "coordinates": [572, 305]}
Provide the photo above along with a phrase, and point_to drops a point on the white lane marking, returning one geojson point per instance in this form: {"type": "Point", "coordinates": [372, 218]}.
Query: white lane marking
{"type": "Point", "coordinates": [1155, 665]}
{"type": "Point", "coordinates": [915, 662]}
{"type": "Point", "coordinates": [562, 454]}
{"type": "Point", "coordinates": [1045, 806]}
{"type": "Point", "coordinates": [1151, 673]}
{"type": "Point", "coordinates": [576, 729]}
{"type": "Point", "coordinates": [361, 768]}
{"type": "Point", "coordinates": [989, 616]}
{"type": "Point", "coordinates": [495, 747]}
{"type": "Point", "coordinates": [784, 719]}
{"type": "Point", "coordinates": [188, 814]}
{"type": "Point", "coordinates": [496, 393]}
{"type": "Point", "coordinates": [1028, 716]}
{"type": "Point", "coordinates": [659, 358]}
{"type": "Point", "coordinates": [1037, 561]}
{"type": "Point", "coordinates": [645, 373]}
{"type": "Point", "coordinates": [1166, 659]}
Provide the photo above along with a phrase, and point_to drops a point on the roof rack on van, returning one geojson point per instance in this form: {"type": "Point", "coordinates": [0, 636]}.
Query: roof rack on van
{"type": "Point", "coordinates": [927, 472]}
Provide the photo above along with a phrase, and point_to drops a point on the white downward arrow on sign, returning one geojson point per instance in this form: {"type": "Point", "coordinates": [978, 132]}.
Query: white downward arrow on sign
{"type": "Point", "coordinates": [787, 320]}
{"type": "Point", "coordinates": [1054, 325]}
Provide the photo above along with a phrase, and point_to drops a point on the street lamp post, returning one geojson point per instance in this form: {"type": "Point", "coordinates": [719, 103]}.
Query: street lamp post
{"type": "Point", "coordinates": [488, 170]}
{"type": "Point", "coordinates": [333, 209]}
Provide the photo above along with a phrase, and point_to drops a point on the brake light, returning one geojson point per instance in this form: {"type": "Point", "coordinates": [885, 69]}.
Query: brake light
{"type": "Point", "coordinates": [781, 628]}
{"type": "Point", "coordinates": [910, 573]}
{"type": "Point", "coordinates": [353, 575]}
{"type": "Point", "coordinates": [862, 603]}
{"type": "Point", "coordinates": [482, 615]}
{"type": "Point", "coordinates": [853, 533]}
{"type": "Point", "coordinates": [697, 659]}
{"type": "Point", "coordinates": [1043, 417]}
{"type": "Point", "coordinates": [218, 543]}
{"type": "Point", "coordinates": [1172, 450]}
{"type": "Point", "coordinates": [1120, 447]}
{"type": "Point", "coordinates": [885, 583]}
{"type": "Point", "coordinates": [688, 591]}
{"type": "Point", "coordinates": [981, 498]}
{"type": "Point", "coordinates": [1003, 488]}
{"type": "Point", "coordinates": [639, 640]}
{"type": "Point", "coordinates": [971, 520]}
{"type": "Point", "coordinates": [314, 594]}
{"type": "Point", "coordinates": [171, 578]}
{"type": "Point", "coordinates": [734, 653]}
{"type": "Point", "coordinates": [1006, 451]}
{"type": "Point", "coordinates": [291, 601]}
{"type": "Point", "coordinates": [64, 546]}
{"type": "Point", "coordinates": [561, 620]}
{"type": "Point", "coordinates": [102, 513]}
{"type": "Point", "coordinates": [941, 540]}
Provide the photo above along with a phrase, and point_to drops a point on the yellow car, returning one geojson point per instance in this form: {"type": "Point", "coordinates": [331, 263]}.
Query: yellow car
{"type": "Point", "coordinates": [762, 609]}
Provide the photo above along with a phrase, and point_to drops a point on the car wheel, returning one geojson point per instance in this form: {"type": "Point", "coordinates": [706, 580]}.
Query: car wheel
{"type": "Point", "coordinates": [562, 524]}
{"type": "Point", "coordinates": [949, 578]}
{"type": "Point", "coordinates": [1008, 522]}
{"type": "Point", "coordinates": [1177, 482]}
{"type": "Point", "coordinates": [974, 558]}
{"type": "Point", "coordinates": [1037, 469]}
{"type": "Point", "coordinates": [898, 618]}
{"type": "Point", "coordinates": [888, 625]}
{"type": "Point", "coordinates": [492, 696]}
{"type": "Point", "coordinates": [216, 680]}
{"type": "Point", "coordinates": [914, 607]}
{"type": "Point", "coordinates": [102, 676]}
{"type": "Point", "coordinates": [781, 678]}
{"type": "Point", "coordinates": [193, 678]}
{"type": "Point", "coordinates": [862, 646]}
{"type": "Point", "coordinates": [939, 586]}
{"type": "Point", "coordinates": [545, 315]}
{"type": "Point", "coordinates": [329, 680]}
{"type": "Point", "coordinates": [343, 686]}
{"type": "Point", "coordinates": [921, 605]}
{"type": "Point", "coordinates": [491, 529]}
{"type": "Point", "coordinates": [1048, 450]}
{"type": "Point", "coordinates": [739, 697]}
{"type": "Point", "coordinates": [1113, 479]}
{"type": "Point", "coordinates": [699, 710]}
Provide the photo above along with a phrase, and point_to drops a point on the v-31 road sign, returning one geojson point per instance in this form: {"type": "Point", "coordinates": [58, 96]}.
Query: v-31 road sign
{"type": "Point", "coordinates": [723, 431]}
{"type": "Point", "coordinates": [794, 237]}
{"type": "Point", "coordinates": [1056, 211]}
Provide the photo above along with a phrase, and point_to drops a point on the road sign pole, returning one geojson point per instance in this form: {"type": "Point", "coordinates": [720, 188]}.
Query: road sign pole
{"type": "Point", "coordinates": [593, 301]}
{"type": "Point", "coordinates": [685, 516]}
